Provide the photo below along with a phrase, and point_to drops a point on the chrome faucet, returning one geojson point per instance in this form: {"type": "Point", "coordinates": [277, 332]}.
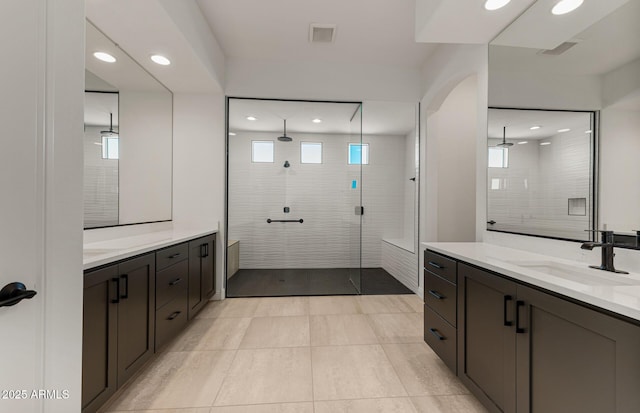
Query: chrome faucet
{"type": "Point", "coordinates": [607, 252]}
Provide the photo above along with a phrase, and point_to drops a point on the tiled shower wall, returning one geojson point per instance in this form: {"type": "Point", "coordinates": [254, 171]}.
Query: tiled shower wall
{"type": "Point", "coordinates": [100, 182]}
{"type": "Point", "coordinates": [534, 190]}
{"type": "Point", "coordinates": [320, 194]}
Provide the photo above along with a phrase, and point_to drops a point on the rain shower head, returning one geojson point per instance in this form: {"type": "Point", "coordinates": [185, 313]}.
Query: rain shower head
{"type": "Point", "coordinates": [109, 132]}
{"type": "Point", "coordinates": [504, 142]}
{"type": "Point", "coordinates": [284, 137]}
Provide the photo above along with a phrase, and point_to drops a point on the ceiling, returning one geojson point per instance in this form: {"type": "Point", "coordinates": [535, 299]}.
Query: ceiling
{"type": "Point", "coordinates": [368, 31]}
{"type": "Point", "coordinates": [519, 122]}
{"type": "Point", "coordinates": [378, 118]}
{"type": "Point", "coordinates": [610, 42]}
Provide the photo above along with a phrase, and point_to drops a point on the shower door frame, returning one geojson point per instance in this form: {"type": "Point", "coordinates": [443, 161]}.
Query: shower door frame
{"type": "Point", "coordinates": [226, 192]}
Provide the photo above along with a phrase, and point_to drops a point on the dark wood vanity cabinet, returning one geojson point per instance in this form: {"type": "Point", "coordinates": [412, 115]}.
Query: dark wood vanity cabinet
{"type": "Point", "coordinates": [172, 286]}
{"type": "Point", "coordinates": [201, 273]}
{"type": "Point", "coordinates": [118, 326]}
{"type": "Point", "coordinates": [525, 350]}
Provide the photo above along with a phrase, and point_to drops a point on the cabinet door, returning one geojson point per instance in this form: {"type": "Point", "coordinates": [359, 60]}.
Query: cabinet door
{"type": "Point", "coordinates": [201, 273]}
{"type": "Point", "coordinates": [99, 337]}
{"type": "Point", "coordinates": [486, 337]}
{"type": "Point", "coordinates": [575, 359]}
{"type": "Point", "coordinates": [136, 311]}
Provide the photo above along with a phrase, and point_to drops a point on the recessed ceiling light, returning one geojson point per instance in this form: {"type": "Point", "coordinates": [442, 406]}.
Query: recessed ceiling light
{"type": "Point", "coordinates": [522, 143]}
{"type": "Point", "coordinates": [563, 130]}
{"type": "Point", "coordinates": [535, 127]}
{"type": "Point", "coordinates": [545, 143]}
{"type": "Point", "coordinates": [317, 120]}
{"type": "Point", "coordinates": [161, 60]}
{"type": "Point", "coordinates": [252, 118]}
{"type": "Point", "coordinates": [232, 134]}
{"type": "Point", "coordinates": [588, 131]}
{"type": "Point", "coordinates": [105, 57]}
{"type": "Point", "coordinates": [566, 6]}
{"type": "Point", "coordinates": [495, 4]}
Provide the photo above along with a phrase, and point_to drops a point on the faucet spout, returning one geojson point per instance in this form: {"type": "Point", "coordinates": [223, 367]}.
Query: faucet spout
{"type": "Point", "coordinates": [607, 245]}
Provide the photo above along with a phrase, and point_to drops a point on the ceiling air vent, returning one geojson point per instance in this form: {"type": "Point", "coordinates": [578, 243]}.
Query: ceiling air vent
{"type": "Point", "coordinates": [322, 33]}
{"type": "Point", "coordinates": [560, 49]}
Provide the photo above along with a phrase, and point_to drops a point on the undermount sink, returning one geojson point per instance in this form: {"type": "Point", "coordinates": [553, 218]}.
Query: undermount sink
{"type": "Point", "coordinates": [587, 275]}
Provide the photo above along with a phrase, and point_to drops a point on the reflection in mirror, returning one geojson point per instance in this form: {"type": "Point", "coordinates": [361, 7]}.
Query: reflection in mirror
{"type": "Point", "coordinates": [587, 60]}
{"type": "Point", "coordinates": [128, 161]}
{"type": "Point", "coordinates": [539, 175]}
{"type": "Point", "coordinates": [100, 159]}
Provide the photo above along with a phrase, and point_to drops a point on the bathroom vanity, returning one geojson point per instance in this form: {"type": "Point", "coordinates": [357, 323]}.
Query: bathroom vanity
{"type": "Point", "coordinates": [531, 333]}
{"type": "Point", "coordinates": [139, 293]}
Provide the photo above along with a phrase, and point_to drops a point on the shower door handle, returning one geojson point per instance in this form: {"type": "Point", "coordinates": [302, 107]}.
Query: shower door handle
{"type": "Point", "coordinates": [359, 210]}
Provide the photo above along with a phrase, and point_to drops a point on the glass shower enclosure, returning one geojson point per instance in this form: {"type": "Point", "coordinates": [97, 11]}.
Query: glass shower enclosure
{"type": "Point", "coordinates": [294, 201]}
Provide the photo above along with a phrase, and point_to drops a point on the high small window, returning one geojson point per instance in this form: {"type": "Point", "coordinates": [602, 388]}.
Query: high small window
{"type": "Point", "coordinates": [358, 154]}
{"type": "Point", "coordinates": [110, 148]}
{"type": "Point", "coordinates": [261, 151]}
{"type": "Point", "coordinates": [310, 152]}
{"type": "Point", "coordinates": [498, 157]}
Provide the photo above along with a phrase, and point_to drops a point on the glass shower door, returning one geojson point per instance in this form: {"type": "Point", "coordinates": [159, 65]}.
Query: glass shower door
{"type": "Point", "coordinates": [357, 152]}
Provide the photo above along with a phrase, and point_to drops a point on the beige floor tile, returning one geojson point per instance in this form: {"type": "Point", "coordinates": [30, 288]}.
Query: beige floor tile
{"type": "Point", "coordinates": [333, 305]}
{"type": "Point", "coordinates": [383, 304]}
{"type": "Point", "coordinates": [267, 408]}
{"type": "Point", "coordinates": [398, 328]}
{"type": "Point", "coordinates": [211, 334]}
{"type": "Point", "coordinates": [353, 372]}
{"type": "Point", "coordinates": [177, 380]}
{"type": "Point", "coordinates": [230, 307]}
{"type": "Point", "coordinates": [282, 306]}
{"type": "Point", "coordinates": [332, 330]}
{"type": "Point", "coordinates": [448, 404]}
{"type": "Point", "coordinates": [266, 332]}
{"type": "Point", "coordinates": [414, 301]}
{"type": "Point", "coordinates": [268, 376]}
{"type": "Point", "coordinates": [421, 370]}
{"type": "Point", "coordinates": [395, 405]}
{"type": "Point", "coordinates": [193, 410]}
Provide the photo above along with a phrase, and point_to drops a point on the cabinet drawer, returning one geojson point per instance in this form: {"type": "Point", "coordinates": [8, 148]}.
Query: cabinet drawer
{"type": "Point", "coordinates": [440, 265]}
{"type": "Point", "coordinates": [170, 320]}
{"type": "Point", "coordinates": [172, 282]}
{"type": "Point", "coordinates": [441, 337]}
{"type": "Point", "coordinates": [171, 255]}
{"type": "Point", "coordinates": [441, 296]}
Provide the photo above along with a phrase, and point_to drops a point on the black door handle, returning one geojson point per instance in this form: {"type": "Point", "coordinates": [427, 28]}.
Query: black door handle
{"type": "Point", "coordinates": [117, 281]}
{"type": "Point", "coordinates": [436, 265]}
{"type": "Point", "coordinates": [437, 295]}
{"type": "Point", "coordinates": [125, 277]}
{"type": "Point", "coordinates": [13, 293]}
{"type": "Point", "coordinates": [437, 334]}
{"type": "Point", "coordinates": [507, 323]}
{"type": "Point", "coordinates": [519, 330]}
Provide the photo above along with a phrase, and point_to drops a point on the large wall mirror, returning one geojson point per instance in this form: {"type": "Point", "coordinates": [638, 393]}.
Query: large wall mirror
{"type": "Point", "coordinates": [128, 139]}
{"type": "Point", "coordinates": [585, 63]}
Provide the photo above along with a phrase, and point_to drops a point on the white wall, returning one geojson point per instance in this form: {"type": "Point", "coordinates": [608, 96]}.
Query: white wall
{"type": "Point", "coordinates": [145, 156]}
{"type": "Point", "coordinates": [321, 195]}
{"type": "Point", "coordinates": [619, 184]}
{"type": "Point", "coordinates": [199, 168]}
{"type": "Point", "coordinates": [451, 136]}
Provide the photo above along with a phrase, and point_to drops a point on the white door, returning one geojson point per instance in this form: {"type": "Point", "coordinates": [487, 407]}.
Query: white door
{"type": "Point", "coordinates": [41, 203]}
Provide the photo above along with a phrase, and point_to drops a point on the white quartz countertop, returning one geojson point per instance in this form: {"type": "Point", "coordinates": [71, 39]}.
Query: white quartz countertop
{"type": "Point", "coordinates": [100, 253]}
{"type": "Point", "coordinates": [619, 293]}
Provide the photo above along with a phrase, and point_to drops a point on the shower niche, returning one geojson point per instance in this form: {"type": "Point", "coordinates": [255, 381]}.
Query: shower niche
{"type": "Point", "coordinates": [298, 174]}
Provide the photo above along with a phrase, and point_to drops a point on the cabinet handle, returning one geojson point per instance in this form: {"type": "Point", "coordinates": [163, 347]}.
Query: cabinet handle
{"type": "Point", "coordinates": [176, 281]}
{"type": "Point", "coordinates": [435, 264]}
{"type": "Point", "coordinates": [507, 323]}
{"type": "Point", "coordinates": [174, 315]}
{"type": "Point", "coordinates": [204, 251]}
{"type": "Point", "coordinates": [519, 330]}
{"type": "Point", "coordinates": [125, 277]}
{"type": "Point", "coordinates": [206, 248]}
{"type": "Point", "coordinates": [437, 295]}
{"type": "Point", "coordinates": [437, 334]}
{"type": "Point", "coordinates": [117, 281]}
{"type": "Point", "coordinates": [176, 255]}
